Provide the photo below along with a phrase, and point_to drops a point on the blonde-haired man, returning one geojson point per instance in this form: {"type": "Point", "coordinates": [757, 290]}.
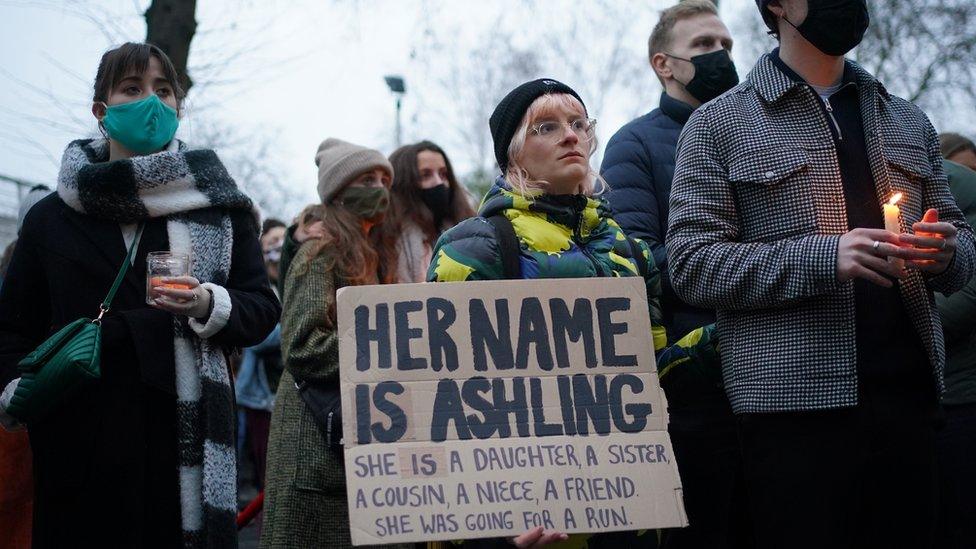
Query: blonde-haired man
{"type": "Point", "coordinates": [688, 50]}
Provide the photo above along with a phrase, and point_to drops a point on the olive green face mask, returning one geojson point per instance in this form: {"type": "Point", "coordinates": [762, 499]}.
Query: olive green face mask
{"type": "Point", "coordinates": [365, 202]}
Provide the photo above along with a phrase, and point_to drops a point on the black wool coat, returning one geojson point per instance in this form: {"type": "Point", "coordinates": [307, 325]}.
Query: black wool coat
{"type": "Point", "coordinates": [105, 462]}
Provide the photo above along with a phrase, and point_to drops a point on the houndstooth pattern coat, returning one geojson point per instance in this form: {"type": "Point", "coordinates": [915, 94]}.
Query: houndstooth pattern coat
{"type": "Point", "coordinates": [757, 211]}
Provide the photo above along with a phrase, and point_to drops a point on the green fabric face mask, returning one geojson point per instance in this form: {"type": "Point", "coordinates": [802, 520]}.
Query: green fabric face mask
{"type": "Point", "coordinates": [366, 202]}
{"type": "Point", "coordinates": [144, 126]}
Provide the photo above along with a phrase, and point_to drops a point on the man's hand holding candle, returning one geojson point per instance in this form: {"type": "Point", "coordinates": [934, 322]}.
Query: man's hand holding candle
{"type": "Point", "coordinates": [931, 248]}
{"type": "Point", "coordinates": [863, 253]}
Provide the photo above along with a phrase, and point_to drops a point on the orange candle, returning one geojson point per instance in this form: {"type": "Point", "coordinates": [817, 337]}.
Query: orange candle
{"type": "Point", "coordinates": [157, 281]}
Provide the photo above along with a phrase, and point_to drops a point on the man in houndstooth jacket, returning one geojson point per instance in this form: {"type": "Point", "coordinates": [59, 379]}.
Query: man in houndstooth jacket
{"type": "Point", "coordinates": [832, 355]}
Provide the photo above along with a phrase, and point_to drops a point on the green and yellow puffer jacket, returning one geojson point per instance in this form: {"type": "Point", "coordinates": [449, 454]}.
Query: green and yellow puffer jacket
{"type": "Point", "coordinates": [571, 236]}
{"type": "Point", "coordinates": [574, 236]}
{"type": "Point", "coordinates": [560, 236]}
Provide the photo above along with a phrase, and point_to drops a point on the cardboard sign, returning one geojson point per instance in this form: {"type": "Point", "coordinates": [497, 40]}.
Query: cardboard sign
{"type": "Point", "coordinates": [483, 409]}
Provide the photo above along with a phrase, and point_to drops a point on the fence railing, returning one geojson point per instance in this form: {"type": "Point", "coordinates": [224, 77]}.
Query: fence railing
{"type": "Point", "coordinates": [12, 191]}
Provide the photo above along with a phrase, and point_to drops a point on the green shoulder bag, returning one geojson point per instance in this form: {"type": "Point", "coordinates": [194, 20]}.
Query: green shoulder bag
{"type": "Point", "coordinates": [66, 362]}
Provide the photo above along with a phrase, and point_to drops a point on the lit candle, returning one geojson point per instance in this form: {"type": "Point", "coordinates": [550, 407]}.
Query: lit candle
{"type": "Point", "coordinates": [891, 213]}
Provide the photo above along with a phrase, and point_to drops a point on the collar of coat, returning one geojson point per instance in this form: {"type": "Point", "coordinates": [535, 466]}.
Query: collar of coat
{"type": "Point", "coordinates": [772, 78]}
{"type": "Point", "coordinates": [573, 211]}
{"type": "Point", "coordinates": [676, 110]}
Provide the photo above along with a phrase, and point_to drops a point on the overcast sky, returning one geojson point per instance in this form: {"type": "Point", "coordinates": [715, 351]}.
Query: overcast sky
{"type": "Point", "coordinates": [301, 71]}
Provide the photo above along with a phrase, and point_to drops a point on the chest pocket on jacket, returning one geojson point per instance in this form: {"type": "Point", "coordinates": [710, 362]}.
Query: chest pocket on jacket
{"type": "Point", "coordinates": [773, 194]}
{"type": "Point", "coordinates": [909, 171]}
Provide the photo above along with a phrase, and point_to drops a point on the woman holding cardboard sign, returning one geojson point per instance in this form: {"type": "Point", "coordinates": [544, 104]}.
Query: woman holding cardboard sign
{"type": "Point", "coordinates": [305, 491]}
{"type": "Point", "coordinates": [544, 218]}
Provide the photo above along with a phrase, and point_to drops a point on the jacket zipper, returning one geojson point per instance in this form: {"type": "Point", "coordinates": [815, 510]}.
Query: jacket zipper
{"type": "Point", "coordinates": [578, 235]}
{"type": "Point", "coordinates": [829, 109]}
{"type": "Point", "coordinates": [830, 114]}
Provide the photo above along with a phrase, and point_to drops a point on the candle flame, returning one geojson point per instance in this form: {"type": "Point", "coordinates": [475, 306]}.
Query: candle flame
{"type": "Point", "coordinates": [895, 198]}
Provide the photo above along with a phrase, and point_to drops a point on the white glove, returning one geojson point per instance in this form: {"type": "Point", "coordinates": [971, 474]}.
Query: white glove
{"type": "Point", "coordinates": [7, 421]}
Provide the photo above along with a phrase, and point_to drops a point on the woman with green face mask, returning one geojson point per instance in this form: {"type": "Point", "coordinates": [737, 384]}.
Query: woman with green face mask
{"type": "Point", "coordinates": [338, 244]}
{"type": "Point", "coordinates": [143, 455]}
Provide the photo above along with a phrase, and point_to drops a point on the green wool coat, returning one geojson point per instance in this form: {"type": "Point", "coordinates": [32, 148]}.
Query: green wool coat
{"type": "Point", "coordinates": [305, 490]}
{"type": "Point", "coordinates": [958, 311]}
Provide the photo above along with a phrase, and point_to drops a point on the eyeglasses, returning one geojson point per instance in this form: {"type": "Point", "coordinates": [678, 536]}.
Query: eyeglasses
{"type": "Point", "coordinates": [584, 128]}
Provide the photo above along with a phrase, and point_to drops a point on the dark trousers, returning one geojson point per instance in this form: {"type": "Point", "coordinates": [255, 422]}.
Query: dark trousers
{"type": "Point", "coordinates": [957, 472]}
{"type": "Point", "coordinates": [857, 478]}
{"type": "Point", "coordinates": [258, 429]}
{"type": "Point", "coordinates": [712, 481]}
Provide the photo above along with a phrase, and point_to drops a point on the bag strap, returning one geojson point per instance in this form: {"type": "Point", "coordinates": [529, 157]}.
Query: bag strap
{"type": "Point", "coordinates": [639, 258]}
{"type": "Point", "coordinates": [508, 245]}
{"type": "Point", "coordinates": [107, 302]}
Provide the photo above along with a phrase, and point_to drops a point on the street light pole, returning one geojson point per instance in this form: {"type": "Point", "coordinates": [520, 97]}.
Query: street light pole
{"type": "Point", "coordinates": [399, 88]}
{"type": "Point", "coordinates": [399, 139]}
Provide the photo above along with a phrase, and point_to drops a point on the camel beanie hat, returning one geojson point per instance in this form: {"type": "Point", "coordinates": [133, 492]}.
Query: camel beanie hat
{"type": "Point", "coordinates": [340, 162]}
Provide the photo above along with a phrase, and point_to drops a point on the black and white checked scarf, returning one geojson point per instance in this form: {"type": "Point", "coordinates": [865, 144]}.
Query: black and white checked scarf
{"type": "Point", "coordinates": [193, 191]}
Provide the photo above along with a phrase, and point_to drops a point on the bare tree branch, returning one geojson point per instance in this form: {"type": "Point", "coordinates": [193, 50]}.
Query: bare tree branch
{"type": "Point", "coordinates": [922, 50]}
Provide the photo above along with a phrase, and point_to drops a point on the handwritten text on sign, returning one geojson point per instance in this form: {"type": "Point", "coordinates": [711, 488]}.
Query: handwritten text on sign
{"type": "Point", "coordinates": [481, 409]}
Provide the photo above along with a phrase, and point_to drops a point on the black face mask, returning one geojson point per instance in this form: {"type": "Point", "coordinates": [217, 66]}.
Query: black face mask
{"type": "Point", "coordinates": [834, 27]}
{"type": "Point", "coordinates": [714, 75]}
{"type": "Point", "coordinates": [438, 201]}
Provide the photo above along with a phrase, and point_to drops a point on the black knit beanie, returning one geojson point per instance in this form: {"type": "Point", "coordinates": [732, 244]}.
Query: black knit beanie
{"type": "Point", "coordinates": [767, 15]}
{"type": "Point", "coordinates": [509, 112]}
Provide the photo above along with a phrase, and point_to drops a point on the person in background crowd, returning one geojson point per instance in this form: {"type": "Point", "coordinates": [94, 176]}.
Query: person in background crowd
{"type": "Point", "coordinates": [832, 354]}
{"type": "Point", "coordinates": [543, 139]}
{"type": "Point", "coordinates": [109, 466]}
{"type": "Point", "coordinates": [272, 240]}
{"type": "Point", "coordinates": [689, 53]}
{"type": "Point", "coordinates": [8, 254]}
{"type": "Point", "coordinates": [958, 149]}
{"type": "Point", "coordinates": [305, 494]}
{"type": "Point", "coordinates": [33, 196]}
{"type": "Point", "coordinates": [17, 487]}
{"type": "Point", "coordinates": [426, 198]}
{"type": "Point", "coordinates": [257, 380]}
{"type": "Point", "coordinates": [957, 439]}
